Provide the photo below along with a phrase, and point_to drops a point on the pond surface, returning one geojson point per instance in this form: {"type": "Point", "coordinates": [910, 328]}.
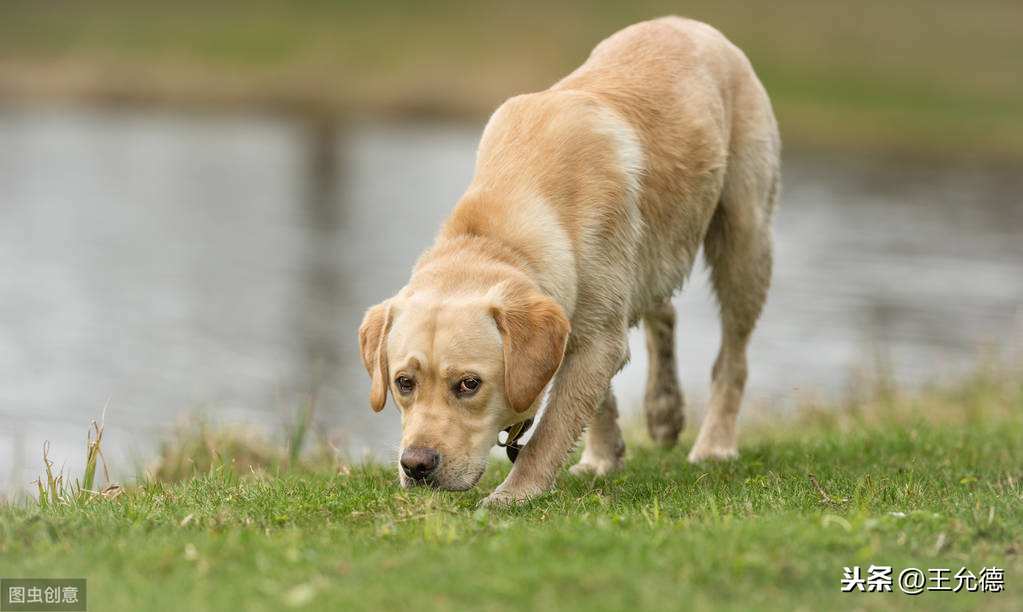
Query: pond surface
{"type": "Point", "coordinates": [173, 262]}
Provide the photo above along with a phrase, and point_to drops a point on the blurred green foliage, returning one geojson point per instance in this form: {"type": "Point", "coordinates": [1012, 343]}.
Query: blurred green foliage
{"type": "Point", "coordinates": [938, 76]}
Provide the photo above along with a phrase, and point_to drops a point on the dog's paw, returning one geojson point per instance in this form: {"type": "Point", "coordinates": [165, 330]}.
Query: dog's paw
{"type": "Point", "coordinates": [664, 417]}
{"type": "Point", "coordinates": [598, 467]}
{"type": "Point", "coordinates": [701, 453]}
{"type": "Point", "coordinates": [507, 497]}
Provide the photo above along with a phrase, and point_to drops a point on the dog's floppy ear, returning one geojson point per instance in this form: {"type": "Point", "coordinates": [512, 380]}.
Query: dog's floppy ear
{"type": "Point", "coordinates": [373, 341]}
{"type": "Point", "coordinates": [535, 331]}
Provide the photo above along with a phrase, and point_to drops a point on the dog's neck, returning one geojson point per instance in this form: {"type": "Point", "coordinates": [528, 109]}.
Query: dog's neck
{"type": "Point", "coordinates": [520, 233]}
{"type": "Point", "coordinates": [487, 261]}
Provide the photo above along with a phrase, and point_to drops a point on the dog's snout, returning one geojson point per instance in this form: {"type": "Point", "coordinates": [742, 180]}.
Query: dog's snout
{"type": "Point", "coordinates": [418, 462]}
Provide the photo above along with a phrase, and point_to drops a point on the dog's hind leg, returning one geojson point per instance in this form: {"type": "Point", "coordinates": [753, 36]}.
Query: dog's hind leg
{"type": "Point", "coordinates": [605, 447]}
{"type": "Point", "coordinates": [738, 249]}
{"type": "Point", "coordinates": [663, 400]}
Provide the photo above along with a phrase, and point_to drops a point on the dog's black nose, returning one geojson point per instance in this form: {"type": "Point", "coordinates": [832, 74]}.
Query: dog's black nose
{"type": "Point", "coordinates": [418, 462]}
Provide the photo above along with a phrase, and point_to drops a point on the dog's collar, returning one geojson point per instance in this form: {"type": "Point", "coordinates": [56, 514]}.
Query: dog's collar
{"type": "Point", "coordinates": [515, 432]}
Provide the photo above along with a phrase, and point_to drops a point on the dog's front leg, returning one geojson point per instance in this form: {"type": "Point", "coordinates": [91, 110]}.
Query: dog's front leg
{"type": "Point", "coordinates": [577, 389]}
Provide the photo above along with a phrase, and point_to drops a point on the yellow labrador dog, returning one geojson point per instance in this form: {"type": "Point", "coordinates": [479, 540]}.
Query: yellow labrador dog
{"type": "Point", "coordinates": [589, 203]}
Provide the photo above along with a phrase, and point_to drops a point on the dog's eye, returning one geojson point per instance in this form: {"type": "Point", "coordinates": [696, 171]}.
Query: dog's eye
{"type": "Point", "coordinates": [404, 384]}
{"type": "Point", "coordinates": [468, 386]}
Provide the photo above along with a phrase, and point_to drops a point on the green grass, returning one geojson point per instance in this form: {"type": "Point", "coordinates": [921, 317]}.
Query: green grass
{"type": "Point", "coordinates": [919, 76]}
{"type": "Point", "coordinates": [661, 534]}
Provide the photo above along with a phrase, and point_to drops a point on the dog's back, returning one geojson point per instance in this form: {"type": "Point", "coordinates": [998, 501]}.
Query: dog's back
{"type": "Point", "coordinates": [632, 152]}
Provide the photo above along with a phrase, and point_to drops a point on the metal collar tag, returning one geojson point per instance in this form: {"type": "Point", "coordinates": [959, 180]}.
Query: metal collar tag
{"type": "Point", "coordinates": [511, 443]}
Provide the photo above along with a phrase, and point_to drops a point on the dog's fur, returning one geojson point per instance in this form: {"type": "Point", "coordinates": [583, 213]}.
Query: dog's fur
{"type": "Point", "coordinates": [589, 203]}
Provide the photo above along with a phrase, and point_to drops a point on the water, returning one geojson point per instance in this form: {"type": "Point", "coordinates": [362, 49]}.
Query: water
{"type": "Point", "coordinates": [176, 262]}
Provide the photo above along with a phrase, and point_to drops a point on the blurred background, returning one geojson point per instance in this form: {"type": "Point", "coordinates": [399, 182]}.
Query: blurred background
{"type": "Point", "coordinates": [198, 200]}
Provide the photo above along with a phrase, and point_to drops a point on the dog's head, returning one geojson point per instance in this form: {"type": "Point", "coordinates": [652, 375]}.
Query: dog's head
{"type": "Point", "coordinates": [461, 367]}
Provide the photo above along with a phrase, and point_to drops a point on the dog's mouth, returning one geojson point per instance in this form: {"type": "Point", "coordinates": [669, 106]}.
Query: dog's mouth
{"type": "Point", "coordinates": [461, 480]}
{"type": "Point", "coordinates": [465, 473]}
